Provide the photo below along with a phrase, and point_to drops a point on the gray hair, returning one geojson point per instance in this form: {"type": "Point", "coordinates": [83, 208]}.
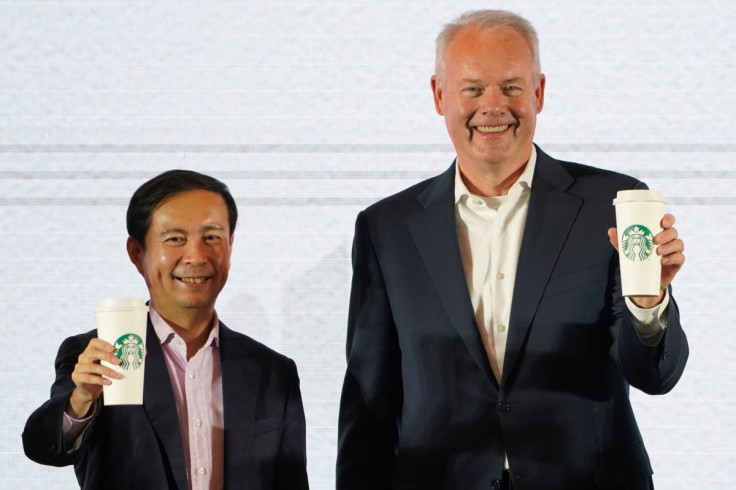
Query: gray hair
{"type": "Point", "coordinates": [486, 20]}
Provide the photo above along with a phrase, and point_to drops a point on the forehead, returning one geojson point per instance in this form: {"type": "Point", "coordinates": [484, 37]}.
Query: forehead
{"type": "Point", "coordinates": [192, 208]}
{"type": "Point", "coordinates": [498, 49]}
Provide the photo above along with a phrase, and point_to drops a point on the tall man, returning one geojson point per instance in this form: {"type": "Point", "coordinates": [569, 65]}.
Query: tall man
{"type": "Point", "coordinates": [219, 409]}
{"type": "Point", "coordinates": [488, 342]}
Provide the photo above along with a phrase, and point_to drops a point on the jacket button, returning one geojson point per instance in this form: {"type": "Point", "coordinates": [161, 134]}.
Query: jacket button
{"type": "Point", "coordinates": [665, 354]}
{"type": "Point", "coordinates": [496, 485]}
{"type": "Point", "coordinates": [504, 407]}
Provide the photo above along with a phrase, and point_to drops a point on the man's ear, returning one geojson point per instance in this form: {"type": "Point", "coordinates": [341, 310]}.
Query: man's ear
{"type": "Point", "coordinates": [539, 92]}
{"type": "Point", "coordinates": [135, 253]}
{"type": "Point", "coordinates": [437, 93]}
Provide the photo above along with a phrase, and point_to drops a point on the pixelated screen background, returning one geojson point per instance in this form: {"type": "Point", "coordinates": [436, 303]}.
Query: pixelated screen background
{"type": "Point", "coordinates": [310, 111]}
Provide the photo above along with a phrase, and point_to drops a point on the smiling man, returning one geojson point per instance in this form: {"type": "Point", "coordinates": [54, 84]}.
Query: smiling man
{"type": "Point", "coordinates": [488, 343]}
{"type": "Point", "coordinates": [219, 409]}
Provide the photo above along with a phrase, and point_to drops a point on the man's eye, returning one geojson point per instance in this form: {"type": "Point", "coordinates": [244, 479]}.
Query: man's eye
{"type": "Point", "coordinates": [175, 240]}
{"type": "Point", "coordinates": [211, 238]}
{"type": "Point", "coordinates": [471, 90]}
{"type": "Point", "coordinates": [511, 89]}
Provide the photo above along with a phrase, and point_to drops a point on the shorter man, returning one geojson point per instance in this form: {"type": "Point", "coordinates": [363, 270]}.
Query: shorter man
{"type": "Point", "coordinates": [219, 409]}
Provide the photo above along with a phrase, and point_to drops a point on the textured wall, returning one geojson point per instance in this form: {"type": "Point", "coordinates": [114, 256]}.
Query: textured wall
{"type": "Point", "coordinates": [310, 111]}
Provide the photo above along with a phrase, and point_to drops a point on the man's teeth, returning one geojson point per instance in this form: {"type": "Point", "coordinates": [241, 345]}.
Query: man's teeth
{"type": "Point", "coordinates": [193, 280]}
{"type": "Point", "coordinates": [492, 129]}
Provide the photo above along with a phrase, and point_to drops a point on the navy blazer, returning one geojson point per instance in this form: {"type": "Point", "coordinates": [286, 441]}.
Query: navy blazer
{"type": "Point", "coordinates": [421, 408]}
{"type": "Point", "coordinates": [141, 447]}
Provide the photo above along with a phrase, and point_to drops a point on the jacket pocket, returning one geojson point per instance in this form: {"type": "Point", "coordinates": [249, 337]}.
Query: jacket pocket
{"type": "Point", "coordinates": [267, 424]}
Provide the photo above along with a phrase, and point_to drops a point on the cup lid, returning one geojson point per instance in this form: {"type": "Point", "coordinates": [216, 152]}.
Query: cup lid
{"type": "Point", "coordinates": [121, 304]}
{"type": "Point", "coordinates": [639, 195]}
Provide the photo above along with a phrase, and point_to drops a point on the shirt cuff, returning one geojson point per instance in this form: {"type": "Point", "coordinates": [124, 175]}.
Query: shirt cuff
{"type": "Point", "coordinates": [72, 429]}
{"type": "Point", "coordinates": [650, 322]}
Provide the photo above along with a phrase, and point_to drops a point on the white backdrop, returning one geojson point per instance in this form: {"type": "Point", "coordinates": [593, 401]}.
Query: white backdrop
{"type": "Point", "coordinates": [310, 111]}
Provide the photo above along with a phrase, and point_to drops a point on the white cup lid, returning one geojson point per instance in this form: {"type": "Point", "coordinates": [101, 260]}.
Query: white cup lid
{"type": "Point", "coordinates": [121, 304]}
{"type": "Point", "coordinates": [639, 195]}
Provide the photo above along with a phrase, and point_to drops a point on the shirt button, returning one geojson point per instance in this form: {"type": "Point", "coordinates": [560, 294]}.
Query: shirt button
{"type": "Point", "coordinates": [198, 422]}
{"type": "Point", "coordinates": [501, 328]}
{"type": "Point", "coordinates": [477, 202]}
{"type": "Point", "coordinates": [201, 471]}
{"type": "Point", "coordinates": [499, 225]}
{"type": "Point", "coordinates": [178, 342]}
{"type": "Point", "coordinates": [500, 275]}
{"type": "Point", "coordinates": [191, 374]}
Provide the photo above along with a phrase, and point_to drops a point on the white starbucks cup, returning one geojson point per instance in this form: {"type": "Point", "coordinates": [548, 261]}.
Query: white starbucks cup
{"type": "Point", "coordinates": [639, 215]}
{"type": "Point", "coordinates": [123, 323]}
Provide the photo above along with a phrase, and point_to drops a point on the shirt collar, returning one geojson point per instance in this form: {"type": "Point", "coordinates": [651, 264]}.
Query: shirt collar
{"type": "Point", "coordinates": [523, 182]}
{"type": "Point", "coordinates": [165, 333]}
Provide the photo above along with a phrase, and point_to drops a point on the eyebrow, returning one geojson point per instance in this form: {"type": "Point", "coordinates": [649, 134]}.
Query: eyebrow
{"type": "Point", "coordinates": [213, 227]}
{"type": "Point", "coordinates": [168, 231]}
{"type": "Point", "coordinates": [503, 82]}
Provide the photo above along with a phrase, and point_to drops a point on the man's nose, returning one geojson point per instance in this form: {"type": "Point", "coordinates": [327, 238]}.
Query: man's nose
{"type": "Point", "coordinates": [196, 252]}
{"type": "Point", "coordinates": [493, 102]}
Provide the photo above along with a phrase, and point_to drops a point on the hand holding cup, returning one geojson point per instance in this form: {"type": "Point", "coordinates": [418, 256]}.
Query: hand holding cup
{"type": "Point", "coordinates": [89, 376]}
{"type": "Point", "coordinates": [643, 277]}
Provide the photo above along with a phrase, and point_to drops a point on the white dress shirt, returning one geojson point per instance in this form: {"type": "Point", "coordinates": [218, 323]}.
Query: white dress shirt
{"type": "Point", "coordinates": [489, 232]}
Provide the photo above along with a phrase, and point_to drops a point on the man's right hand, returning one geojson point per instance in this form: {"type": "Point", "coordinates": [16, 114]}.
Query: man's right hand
{"type": "Point", "coordinates": [89, 376]}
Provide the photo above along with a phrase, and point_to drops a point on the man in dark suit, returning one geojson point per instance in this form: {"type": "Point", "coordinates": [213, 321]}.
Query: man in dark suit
{"type": "Point", "coordinates": [489, 345]}
{"type": "Point", "coordinates": [219, 409]}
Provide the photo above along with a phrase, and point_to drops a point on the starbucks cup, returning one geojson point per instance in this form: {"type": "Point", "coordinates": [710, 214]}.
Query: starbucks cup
{"type": "Point", "coordinates": [122, 323]}
{"type": "Point", "coordinates": [638, 219]}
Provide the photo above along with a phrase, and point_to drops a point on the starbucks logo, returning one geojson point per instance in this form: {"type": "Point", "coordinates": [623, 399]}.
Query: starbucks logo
{"type": "Point", "coordinates": [637, 243]}
{"type": "Point", "coordinates": [129, 348]}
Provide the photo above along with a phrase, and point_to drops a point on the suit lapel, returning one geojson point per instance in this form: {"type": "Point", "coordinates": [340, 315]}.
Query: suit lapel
{"type": "Point", "coordinates": [160, 406]}
{"type": "Point", "coordinates": [434, 232]}
{"type": "Point", "coordinates": [240, 380]}
{"type": "Point", "coordinates": [551, 214]}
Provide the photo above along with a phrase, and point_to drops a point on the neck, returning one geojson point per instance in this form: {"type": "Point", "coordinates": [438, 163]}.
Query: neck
{"type": "Point", "coordinates": [488, 180]}
{"type": "Point", "coordinates": [193, 326]}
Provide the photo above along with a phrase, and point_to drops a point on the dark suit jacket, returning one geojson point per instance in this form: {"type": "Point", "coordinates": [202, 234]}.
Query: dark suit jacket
{"type": "Point", "coordinates": [141, 447]}
{"type": "Point", "coordinates": [421, 408]}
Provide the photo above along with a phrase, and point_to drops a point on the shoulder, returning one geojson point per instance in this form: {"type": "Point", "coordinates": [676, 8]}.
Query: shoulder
{"type": "Point", "coordinates": [581, 173]}
{"type": "Point", "coordinates": [586, 181]}
{"type": "Point", "coordinates": [236, 343]}
{"type": "Point", "coordinates": [588, 174]}
{"type": "Point", "coordinates": [400, 202]}
{"type": "Point", "coordinates": [390, 213]}
{"type": "Point", "coordinates": [74, 345]}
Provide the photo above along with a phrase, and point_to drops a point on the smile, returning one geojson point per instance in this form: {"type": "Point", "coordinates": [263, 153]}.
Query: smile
{"type": "Point", "coordinates": [492, 129]}
{"type": "Point", "coordinates": [192, 280]}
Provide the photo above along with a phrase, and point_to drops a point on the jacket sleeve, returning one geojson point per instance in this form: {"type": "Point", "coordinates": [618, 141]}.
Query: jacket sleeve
{"type": "Point", "coordinates": [371, 395]}
{"type": "Point", "coordinates": [42, 436]}
{"type": "Point", "coordinates": [653, 369]}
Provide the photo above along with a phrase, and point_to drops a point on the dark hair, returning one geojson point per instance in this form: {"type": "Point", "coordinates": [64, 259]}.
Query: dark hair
{"type": "Point", "coordinates": [153, 193]}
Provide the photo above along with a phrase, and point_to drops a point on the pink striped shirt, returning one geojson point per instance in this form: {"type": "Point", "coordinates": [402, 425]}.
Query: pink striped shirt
{"type": "Point", "coordinates": [197, 386]}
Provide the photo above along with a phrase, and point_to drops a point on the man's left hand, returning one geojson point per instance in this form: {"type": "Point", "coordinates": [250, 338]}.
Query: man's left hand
{"type": "Point", "coordinates": [671, 248]}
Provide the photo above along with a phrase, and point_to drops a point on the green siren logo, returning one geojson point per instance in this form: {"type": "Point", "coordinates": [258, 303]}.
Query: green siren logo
{"type": "Point", "coordinates": [129, 348]}
{"type": "Point", "coordinates": [637, 243]}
